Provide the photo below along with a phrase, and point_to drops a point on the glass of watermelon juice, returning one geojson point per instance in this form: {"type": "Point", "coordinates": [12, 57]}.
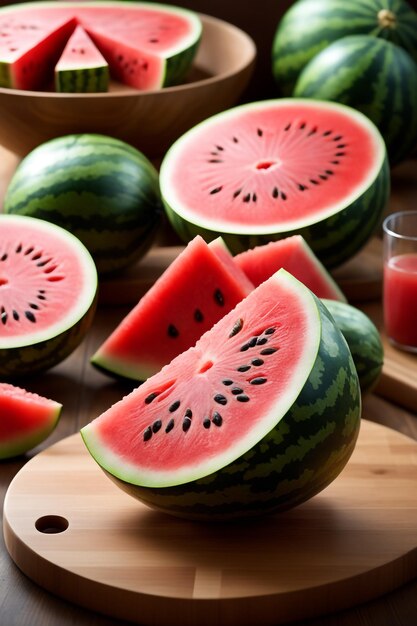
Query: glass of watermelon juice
{"type": "Point", "coordinates": [400, 279]}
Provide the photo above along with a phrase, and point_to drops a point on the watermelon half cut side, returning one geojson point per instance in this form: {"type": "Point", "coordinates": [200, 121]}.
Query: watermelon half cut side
{"type": "Point", "coordinates": [26, 419]}
{"type": "Point", "coordinates": [266, 170]}
{"type": "Point", "coordinates": [200, 286]}
{"type": "Point", "coordinates": [48, 285]}
{"type": "Point", "coordinates": [260, 415]}
{"type": "Point", "coordinates": [81, 67]}
{"type": "Point", "coordinates": [294, 255]}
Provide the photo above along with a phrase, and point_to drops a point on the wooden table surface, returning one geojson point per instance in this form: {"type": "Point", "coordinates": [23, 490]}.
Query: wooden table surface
{"type": "Point", "coordinates": [85, 392]}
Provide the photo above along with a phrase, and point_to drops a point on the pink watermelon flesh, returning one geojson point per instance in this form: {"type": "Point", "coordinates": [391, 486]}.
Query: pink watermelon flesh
{"type": "Point", "coordinates": [268, 168]}
{"type": "Point", "coordinates": [26, 419]}
{"type": "Point", "coordinates": [196, 290]}
{"type": "Point", "coordinates": [181, 424]}
{"type": "Point", "coordinates": [28, 53]}
{"type": "Point", "coordinates": [136, 39]}
{"type": "Point", "coordinates": [294, 255]}
{"type": "Point", "coordinates": [80, 52]}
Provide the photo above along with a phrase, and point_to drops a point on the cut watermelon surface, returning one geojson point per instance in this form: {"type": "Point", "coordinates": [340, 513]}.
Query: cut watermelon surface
{"type": "Point", "coordinates": [26, 419]}
{"type": "Point", "coordinates": [259, 415]}
{"type": "Point", "coordinates": [195, 291]}
{"type": "Point", "coordinates": [146, 46]}
{"type": "Point", "coordinates": [294, 255]}
{"type": "Point", "coordinates": [81, 67]}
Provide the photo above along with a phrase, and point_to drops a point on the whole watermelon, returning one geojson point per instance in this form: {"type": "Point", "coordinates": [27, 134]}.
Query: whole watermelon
{"type": "Point", "coordinates": [309, 26]}
{"type": "Point", "coordinates": [99, 188]}
{"type": "Point", "coordinates": [373, 76]}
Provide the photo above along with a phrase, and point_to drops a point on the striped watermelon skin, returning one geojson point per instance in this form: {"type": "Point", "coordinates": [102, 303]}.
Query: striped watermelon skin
{"type": "Point", "coordinates": [334, 239]}
{"type": "Point", "coordinates": [363, 339]}
{"type": "Point", "coordinates": [304, 452]}
{"type": "Point", "coordinates": [101, 189]}
{"type": "Point", "coordinates": [311, 25]}
{"type": "Point", "coordinates": [371, 75]}
{"type": "Point", "coordinates": [85, 80]}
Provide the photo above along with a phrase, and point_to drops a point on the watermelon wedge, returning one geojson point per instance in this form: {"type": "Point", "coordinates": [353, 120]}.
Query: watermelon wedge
{"type": "Point", "coordinates": [267, 170]}
{"type": "Point", "coordinates": [260, 415]}
{"type": "Point", "coordinates": [295, 255]}
{"type": "Point", "coordinates": [146, 45]}
{"type": "Point", "coordinates": [26, 419]}
{"type": "Point", "coordinates": [81, 67]}
{"type": "Point", "coordinates": [195, 291]}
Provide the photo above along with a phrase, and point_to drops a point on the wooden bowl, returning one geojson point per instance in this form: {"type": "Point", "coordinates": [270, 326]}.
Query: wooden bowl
{"type": "Point", "coordinates": [152, 120]}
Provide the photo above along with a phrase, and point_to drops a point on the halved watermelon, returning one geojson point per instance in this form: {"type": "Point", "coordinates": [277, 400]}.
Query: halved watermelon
{"type": "Point", "coordinates": [48, 285]}
{"type": "Point", "coordinates": [200, 286]}
{"type": "Point", "coordinates": [26, 419]}
{"type": "Point", "coordinates": [81, 67]}
{"type": "Point", "coordinates": [294, 255]}
{"type": "Point", "coordinates": [260, 415]}
{"type": "Point", "coordinates": [266, 170]}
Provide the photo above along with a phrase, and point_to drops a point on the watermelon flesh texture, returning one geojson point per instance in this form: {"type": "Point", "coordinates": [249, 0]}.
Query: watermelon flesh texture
{"type": "Point", "coordinates": [81, 66]}
{"type": "Point", "coordinates": [196, 290]}
{"type": "Point", "coordinates": [28, 54]}
{"type": "Point", "coordinates": [259, 415]}
{"type": "Point", "coordinates": [26, 419]}
{"type": "Point", "coordinates": [295, 255]}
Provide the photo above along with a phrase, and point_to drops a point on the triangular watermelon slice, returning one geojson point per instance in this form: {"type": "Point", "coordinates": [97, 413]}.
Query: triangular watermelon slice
{"type": "Point", "coordinates": [81, 67]}
{"type": "Point", "coordinates": [294, 255]}
{"type": "Point", "coordinates": [199, 287]}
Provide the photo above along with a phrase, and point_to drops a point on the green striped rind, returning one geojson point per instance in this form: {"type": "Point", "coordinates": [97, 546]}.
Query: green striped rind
{"type": "Point", "coordinates": [363, 340]}
{"type": "Point", "coordinates": [311, 25]}
{"type": "Point", "coordinates": [5, 79]}
{"type": "Point", "coordinates": [334, 239]}
{"type": "Point", "coordinates": [38, 357]}
{"type": "Point", "coordinates": [374, 76]}
{"type": "Point", "coordinates": [305, 451]}
{"type": "Point", "coordinates": [83, 80]}
{"type": "Point", "coordinates": [177, 65]}
{"type": "Point", "coordinates": [101, 189]}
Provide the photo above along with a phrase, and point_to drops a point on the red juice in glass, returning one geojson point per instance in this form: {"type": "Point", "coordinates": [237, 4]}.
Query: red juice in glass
{"type": "Point", "coordinates": [400, 299]}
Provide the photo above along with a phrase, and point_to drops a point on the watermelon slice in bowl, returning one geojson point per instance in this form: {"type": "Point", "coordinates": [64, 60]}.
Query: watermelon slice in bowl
{"type": "Point", "coordinates": [294, 255]}
{"type": "Point", "coordinates": [260, 415]}
{"type": "Point", "coordinates": [48, 289]}
{"type": "Point", "coordinates": [267, 170]}
{"type": "Point", "coordinates": [200, 286]}
{"type": "Point", "coordinates": [26, 419]}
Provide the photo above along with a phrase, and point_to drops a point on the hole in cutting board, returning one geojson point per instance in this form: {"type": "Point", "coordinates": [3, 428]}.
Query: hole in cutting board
{"type": "Point", "coordinates": [51, 524]}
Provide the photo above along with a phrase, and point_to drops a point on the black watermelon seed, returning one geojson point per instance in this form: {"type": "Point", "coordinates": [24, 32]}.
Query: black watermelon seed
{"type": "Point", "coordinates": [268, 350]}
{"type": "Point", "coordinates": [337, 138]}
{"type": "Point", "coordinates": [312, 131]}
{"type": "Point", "coordinates": [246, 198]}
{"type": "Point", "coordinates": [4, 257]}
{"type": "Point", "coordinates": [242, 398]}
{"type": "Point", "coordinates": [254, 197]}
{"type": "Point", "coordinates": [39, 254]}
{"type": "Point", "coordinates": [327, 133]}
{"type": "Point", "coordinates": [302, 187]}
{"type": "Point", "coordinates": [283, 195]}
{"type": "Point", "coordinates": [206, 422]}
{"type": "Point", "coordinates": [329, 172]}
{"type": "Point", "coordinates": [174, 406]}
{"type": "Point", "coordinates": [341, 146]}
{"type": "Point", "coordinates": [237, 327]}
{"type": "Point", "coordinates": [275, 192]}
{"type": "Point", "coordinates": [215, 161]}
{"type": "Point", "coordinates": [244, 347]}
{"type": "Point", "coordinates": [235, 139]}
{"type": "Point", "coordinates": [3, 316]}
{"type": "Point", "coordinates": [41, 290]}
{"type": "Point", "coordinates": [270, 330]}
{"type": "Point", "coordinates": [29, 250]}
{"type": "Point", "coordinates": [217, 419]}
{"type": "Point", "coordinates": [236, 391]}
{"type": "Point", "coordinates": [257, 362]}
{"type": "Point", "coordinates": [219, 147]}
{"type": "Point", "coordinates": [156, 426]}
{"type": "Point", "coordinates": [41, 297]}
{"type": "Point", "coordinates": [216, 189]}
{"type": "Point", "coordinates": [219, 298]}
{"type": "Point", "coordinates": [169, 426]}
{"type": "Point", "coordinates": [338, 154]}
{"type": "Point", "coordinates": [147, 434]}
{"type": "Point", "coordinates": [15, 315]}
{"type": "Point", "coordinates": [198, 316]}
{"type": "Point", "coordinates": [34, 306]}
{"type": "Point", "coordinates": [259, 132]}
{"type": "Point", "coordinates": [288, 126]}
{"type": "Point", "coordinates": [43, 263]}
{"type": "Point", "coordinates": [252, 342]}
{"type": "Point", "coordinates": [19, 248]}
{"type": "Point", "coordinates": [186, 424]}
{"type": "Point", "coordinates": [237, 192]}
{"type": "Point", "coordinates": [172, 331]}
{"type": "Point", "coordinates": [322, 177]}
{"type": "Point", "coordinates": [227, 382]}
{"type": "Point", "coordinates": [30, 316]}
{"type": "Point", "coordinates": [314, 182]}
{"type": "Point", "coordinates": [258, 381]}
{"type": "Point", "coordinates": [188, 413]}
{"type": "Point", "coordinates": [243, 368]}
{"type": "Point", "coordinates": [150, 398]}
{"type": "Point", "coordinates": [220, 399]}
{"type": "Point", "coordinates": [262, 341]}
{"type": "Point", "coordinates": [302, 125]}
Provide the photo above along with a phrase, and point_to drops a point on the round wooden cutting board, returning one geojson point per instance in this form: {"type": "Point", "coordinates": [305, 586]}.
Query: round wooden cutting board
{"type": "Point", "coordinates": [70, 529]}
